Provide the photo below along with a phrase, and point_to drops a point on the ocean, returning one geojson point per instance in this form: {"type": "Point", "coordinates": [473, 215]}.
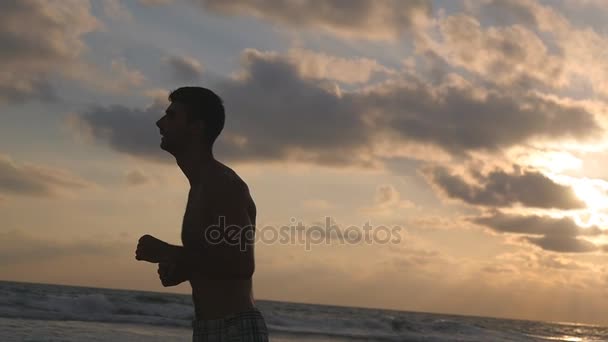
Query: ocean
{"type": "Point", "coordinates": [45, 312]}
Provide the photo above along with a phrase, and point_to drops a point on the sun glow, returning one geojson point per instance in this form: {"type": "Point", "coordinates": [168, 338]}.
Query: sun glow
{"type": "Point", "coordinates": [590, 218]}
{"type": "Point", "coordinates": [593, 192]}
{"type": "Point", "coordinates": [552, 161]}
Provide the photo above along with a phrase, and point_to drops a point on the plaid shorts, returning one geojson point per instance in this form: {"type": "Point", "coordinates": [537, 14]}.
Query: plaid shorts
{"type": "Point", "coordinates": [246, 326]}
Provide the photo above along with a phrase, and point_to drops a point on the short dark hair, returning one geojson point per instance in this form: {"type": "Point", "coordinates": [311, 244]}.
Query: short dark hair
{"type": "Point", "coordinates": [203, 104]}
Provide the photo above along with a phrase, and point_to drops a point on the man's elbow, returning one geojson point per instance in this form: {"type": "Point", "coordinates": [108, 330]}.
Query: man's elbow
{"type": "Point", "coordinates": [246, 271]}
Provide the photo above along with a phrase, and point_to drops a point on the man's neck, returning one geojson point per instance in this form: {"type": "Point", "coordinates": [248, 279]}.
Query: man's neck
{"type": "Point", "coordinates": [193, 162]}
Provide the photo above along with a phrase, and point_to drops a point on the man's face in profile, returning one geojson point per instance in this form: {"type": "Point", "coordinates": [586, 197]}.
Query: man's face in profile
{"type": "Point", "coordinates": [175, 128]}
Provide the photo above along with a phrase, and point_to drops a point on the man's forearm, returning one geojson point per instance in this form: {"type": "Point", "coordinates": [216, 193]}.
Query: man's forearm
{"type": "Point", "coordinates": [202, 262]}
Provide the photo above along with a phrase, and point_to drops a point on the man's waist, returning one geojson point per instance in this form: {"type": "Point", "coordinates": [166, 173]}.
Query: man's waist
{"type": "Point", "coordinates": [222, 312]}
{"type": "Point", "coordinates": [244, 322]}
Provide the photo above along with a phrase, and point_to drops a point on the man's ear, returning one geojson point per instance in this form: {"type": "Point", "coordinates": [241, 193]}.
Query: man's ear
{"type": "Point", "coordinates": [199, 125]}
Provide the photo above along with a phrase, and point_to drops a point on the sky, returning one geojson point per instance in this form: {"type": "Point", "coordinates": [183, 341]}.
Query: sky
{"type": "Point", "coordinates": [473, 133]}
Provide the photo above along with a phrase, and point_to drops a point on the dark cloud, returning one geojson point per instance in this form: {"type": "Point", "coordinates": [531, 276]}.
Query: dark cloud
{"type": "Point", "coordinates": [126, 130]}
{"type": "Point", "coordinates": [185, 68]}
{"type": "Point", "coordinates": [459, 120]}
{"type": "Point", "coordinates": [274, 114]}
{"type": "Point", "coordinates": [563, 244]}
{"type": "Point", "coordinates": [501, 189]}
{"type": "Point", "coordinates": [548, 233]}
{"type": "Point", "coordinates": [534, 225]}
{"type": "Point", "coordinates": [39, 38]}
{"type": "Point", "coordinates": [36, 180]}
{"type": "Point", "coordinates": [508, 12]}
{"type": "Point", "coordinates": [282, 116]}
{"type": "Point", "coordinates": [362, 19]}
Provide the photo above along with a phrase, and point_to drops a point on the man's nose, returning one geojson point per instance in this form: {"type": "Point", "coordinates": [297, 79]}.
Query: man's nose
{"type": "Point", "coordinates": [158, 123]}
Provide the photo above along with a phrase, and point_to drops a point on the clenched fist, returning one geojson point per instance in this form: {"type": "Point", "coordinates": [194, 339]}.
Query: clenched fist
{"type": "Point", "coordinates": [151, 249]}
{"type": "Point", "coordinates": [171, 274]}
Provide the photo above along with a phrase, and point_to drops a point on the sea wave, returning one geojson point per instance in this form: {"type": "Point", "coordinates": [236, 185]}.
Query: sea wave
{"type": "Point", "coordinates": [70, 303]}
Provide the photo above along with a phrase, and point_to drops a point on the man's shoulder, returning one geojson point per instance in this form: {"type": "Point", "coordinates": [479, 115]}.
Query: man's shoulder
{"type": "Point", "coordinates": [227, 181]}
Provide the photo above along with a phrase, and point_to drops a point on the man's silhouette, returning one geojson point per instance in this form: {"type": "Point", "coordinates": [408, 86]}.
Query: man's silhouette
{"type": "Point", "coordinates": [218, 265]}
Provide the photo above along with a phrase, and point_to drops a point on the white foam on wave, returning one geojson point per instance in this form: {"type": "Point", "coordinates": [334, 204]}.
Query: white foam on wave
{"type": "Point", "coordinates": [111, 306]}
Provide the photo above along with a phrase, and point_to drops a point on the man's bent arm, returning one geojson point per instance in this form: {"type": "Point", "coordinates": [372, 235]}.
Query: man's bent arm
{"type": "Point", "coordinates": [215, 261]}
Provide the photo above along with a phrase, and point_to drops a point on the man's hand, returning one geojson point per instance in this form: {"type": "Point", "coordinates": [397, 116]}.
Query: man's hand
{"type": "Point", "coordinates": [152, 249]}
{"type": "Point", "coordinates": [171, 274]}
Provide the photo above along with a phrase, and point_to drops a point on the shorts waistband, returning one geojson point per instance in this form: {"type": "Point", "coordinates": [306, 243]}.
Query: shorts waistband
{"type": "Point", "coordinates": [252, 314]}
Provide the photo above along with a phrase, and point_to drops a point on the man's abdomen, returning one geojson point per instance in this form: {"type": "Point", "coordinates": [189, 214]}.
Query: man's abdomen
{"type": "Point", "coordinates": [217, 298]}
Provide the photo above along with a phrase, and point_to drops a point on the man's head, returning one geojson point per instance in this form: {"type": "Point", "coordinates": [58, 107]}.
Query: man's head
{"type": "Point", "coordinates": [195, 116]}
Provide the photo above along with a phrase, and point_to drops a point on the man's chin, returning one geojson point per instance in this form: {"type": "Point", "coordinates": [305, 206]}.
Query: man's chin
{"type": "Point", "coordinates": [163, 146]}
{"type": "Point", "coordinates": [166, 148]}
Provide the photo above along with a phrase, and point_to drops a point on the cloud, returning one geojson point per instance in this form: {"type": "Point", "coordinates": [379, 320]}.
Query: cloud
{"type": "Point", "coordinates": [537, 262]}
{"type": "Point", "coordinates": [126, 130]}
{"type": "Point", "coordinates": [40, 39]}
{"type": "Point", "coordinates": [499, 188]}
{"type": "Point", "coordinates": [136, 177]}
{"type": "Point", "coordinates": [387, 194]}
{"type": "Point", "coordinates": [275, 114]}
{"type": "Point", "coordinates": [413, 256]}
{"type": "Point", "coordinates": [499, 269]}
{"type": "Point", "coordinates": [508, 12]}
{"type": "Point", "coordinates": [548, 233]}
{"type": "Point", "coordinates": [387, 200]}
{"type": "Point", "coordinates": [282, 116]}
{"type": "Point", "coordinates": [511, 54]}
{"type": "Point", "coordinates": [357, 19]}
{"type": "Point", "coordinates": [160, 97]}
{"type": "Point", "coordinates": [461, 118]}
{"type": "Point", "coordinates": [129, 77]}
{"type": "Point", "coordinates": [36, 180]}
{"type": "Point", "coordinates": [116, 10]}
{"type": "Point", "coordinates": [563, 244]}
{"type": "Point", "coordinates": [270, 97]}
{"type": "Point", "coordinates": [19, 247]}
{"type": "Point", "coordinates": [155, 2]}
{"type": "Point", "coordinates": [579, 47]}
{"type": "Point", "coordinates": [534, 225]}
{"type": "Point", "coordinates": [315, 65]}
{"type": "Point", "coordinates": [559, 262]}
{"type": "Point", "coordinates": [185, 68]}
{"type": "Point", "coordinates": [385, 20]}
{"type": "Point", "coordinates": [435, 222]}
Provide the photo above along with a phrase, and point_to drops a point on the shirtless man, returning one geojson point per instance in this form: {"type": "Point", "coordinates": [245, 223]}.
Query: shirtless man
{"type": "Point", "coordinates": [217, 229]}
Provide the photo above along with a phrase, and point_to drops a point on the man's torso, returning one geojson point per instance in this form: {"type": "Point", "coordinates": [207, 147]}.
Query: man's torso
{"type": "Point", "coordinates": [216, 298]}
